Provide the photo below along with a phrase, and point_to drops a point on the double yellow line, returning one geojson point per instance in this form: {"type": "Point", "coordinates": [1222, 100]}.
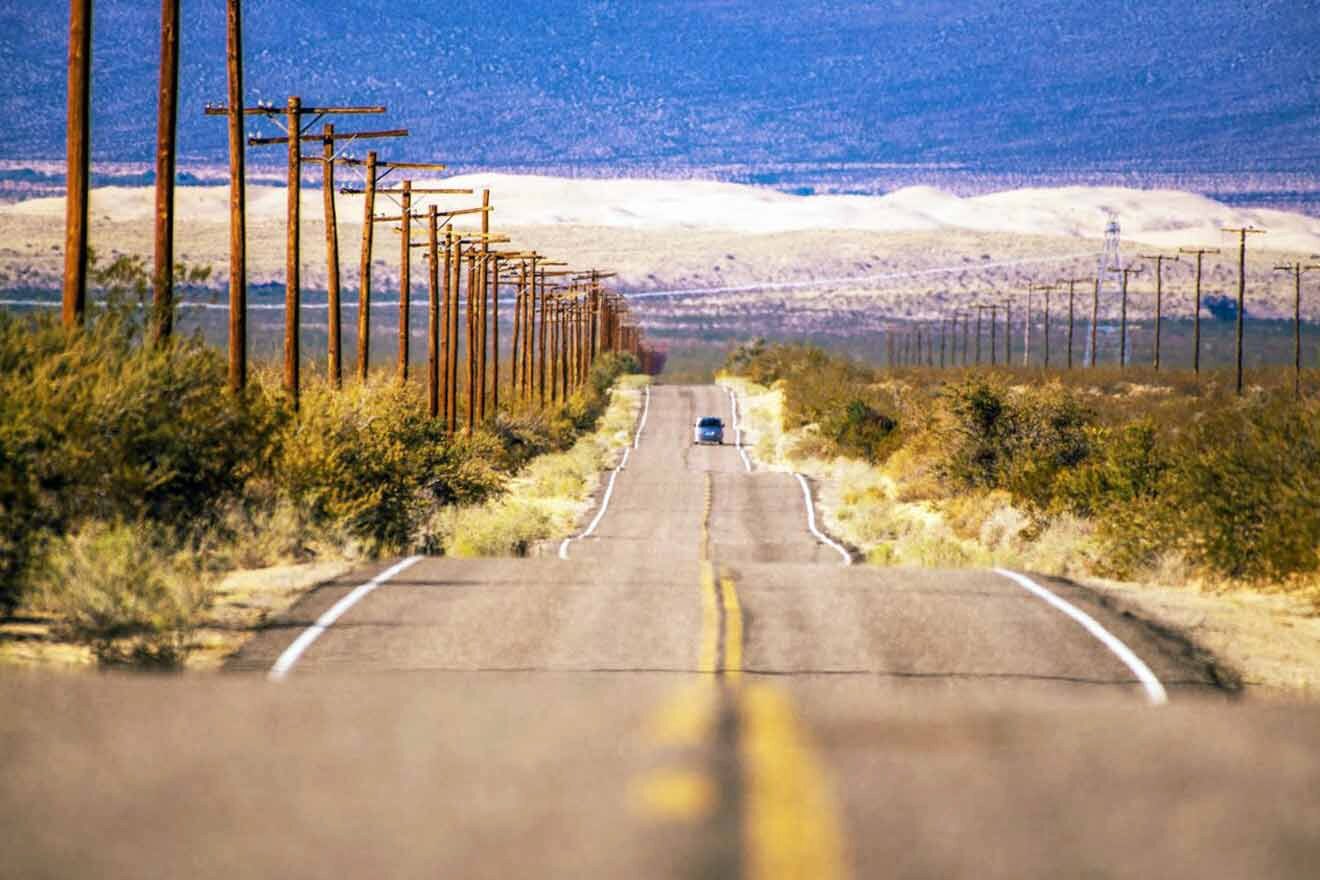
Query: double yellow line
{"type": "Point", "coordinates": [721, 614]}
{"type": "Point", "coordinates": [790, 826]}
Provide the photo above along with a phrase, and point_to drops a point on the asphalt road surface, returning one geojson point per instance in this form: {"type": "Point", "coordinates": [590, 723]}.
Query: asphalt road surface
{"type": "Point", "coordinates": [702, 688]}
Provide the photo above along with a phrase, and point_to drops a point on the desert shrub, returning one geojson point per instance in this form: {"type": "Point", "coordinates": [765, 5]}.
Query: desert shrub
{"type": "Point", "coordinates": [1242, 490]}
{"type": "Point", "coordinates": [117, 590]}
{"type": "Point", "coordinates": [1017, 440]}
{"type": "Point", "coordinates": [1121, 487]}
{"type": "Point", "coordinates": [978, 434]}
{"type": "Point", "coordinates": [94, 424]}
{"type": "Point", "coordinates": [506, 528]}
{"type": "Point", "coordinates": [860, 431]}
{"type": "Point", "coordinates": [369, 459]}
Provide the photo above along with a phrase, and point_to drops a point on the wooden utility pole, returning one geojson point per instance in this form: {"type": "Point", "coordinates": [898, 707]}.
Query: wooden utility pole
{"type": "Point", "coordinates": [167, 117]}
{"type": "Point", "coordinates": [78, 137]}
{"type": "Point", "coordinates": [979, 311]}
{"type": "Point", "coordinates": [433, 353]}
{"type": "Point", "coordinates": [1095, 318]}
{"type": "Point", "coordinates": [481, 315]}
{"type": "Point", "coordinates": [1159, 296]}
{"type": "Point", "coordinates": [1196, 305]}
{"type": "Point", "coordinates": [334, 365]}
{"type": "Point", "coordinates": [547, 316]}
{"type": "Point", "coordinates": [1297, 269]}
{"type": "Point", "coordinates": [1072, 290]}
{"type": "Point", "coordinates": [364, 270]}
{"type": "Point", "coordinates": [1122, 333]}
{"type": "Point", "coordinates": [453, 277]}
{"type": "Point", "coordinates": [1242, 232]}
{"type": "Point", "coordinates": [374, 174]}
{"type": "Point", "coordinates": [293, 114]}
{"type": "Point", "coordinates": [237, 199]}
{"type": "Point", "coordinates": [1008, 333]}
{"type": "Point", "coordinates": [405, 279]}
{"type": "Point", "coordinates": [1046, 289]}
{"type": "Point", "coordinates": [292, 262]}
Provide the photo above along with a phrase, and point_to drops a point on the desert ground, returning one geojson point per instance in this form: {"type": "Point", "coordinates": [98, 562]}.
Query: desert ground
{"type": "Point", "coordinates": [713, 258]}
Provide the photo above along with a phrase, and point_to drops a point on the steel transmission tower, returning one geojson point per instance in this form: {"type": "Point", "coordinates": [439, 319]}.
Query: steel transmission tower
{"type": "Point", "coordinates": [1108, 271]}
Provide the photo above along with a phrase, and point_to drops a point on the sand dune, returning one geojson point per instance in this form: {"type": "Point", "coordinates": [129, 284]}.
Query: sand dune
{"type": "Point", "coordinates": [1159, 218]}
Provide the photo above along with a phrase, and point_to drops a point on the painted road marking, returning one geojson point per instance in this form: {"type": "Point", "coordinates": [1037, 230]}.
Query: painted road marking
{"type": "Point", "coordinates": [675, 794]}
{"type": "Point", "coordinates": [791, 828]}
{"type": "Point", "coordinates": [710, 622]}
{"type": "Point", "coordinates": [646, 410]}
{"type": "Point", "coordinates": [731, 663]}
{"type": "Point", "coordinates": [286, 661]}
{"type": "Point", "coordinates": [1155, 692]}
{"type": "Point", "coordinates": [811, 521]}
{"type": "Point", "coordinates": [737, 431]}
{"type": "Point", "coordinates": [614, 474]}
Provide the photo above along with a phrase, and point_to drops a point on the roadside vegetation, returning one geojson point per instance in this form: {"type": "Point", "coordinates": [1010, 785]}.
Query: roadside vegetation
{"type": "Point", "coordinates": [1133, 475]}
{"type": "Point", "coordinates": [130, 482]}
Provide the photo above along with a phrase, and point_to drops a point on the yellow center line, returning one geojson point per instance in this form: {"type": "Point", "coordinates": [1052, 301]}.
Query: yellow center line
{"type": "Point", "coordinates": [733, 631]}
{"type": "Point", "coordinates": [790, 825]}
{"type": "Point", "coordinates": [710, 621]}
{"type": "Point", "coordinates": [710, 615]}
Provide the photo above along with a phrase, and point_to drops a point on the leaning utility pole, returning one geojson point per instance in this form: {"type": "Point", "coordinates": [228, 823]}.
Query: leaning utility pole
{"type": "Point", "coordinates": [1196, 305]}
{"type": "Point", "coordinates": [167, 117]}
{"type": "Point", "coordinates": [79, 164]}
{"type": "Point", "coordinates": [1122, 333]}
{"type": "Point", "coordinates": [1297, 269]}
{"type": "Point", "coordinates": [1072, 291]}
{"type": "Point", "coordinates": [1243, 232]}
{"type": "Point", "coordinates": [1159, 296]}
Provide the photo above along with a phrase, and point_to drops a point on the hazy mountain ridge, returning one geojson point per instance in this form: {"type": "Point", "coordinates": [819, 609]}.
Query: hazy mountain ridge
{"type": "Point", "coordinates": [707, 83]}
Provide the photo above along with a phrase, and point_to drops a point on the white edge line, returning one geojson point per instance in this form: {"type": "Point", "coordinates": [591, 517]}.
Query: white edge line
{"type": "Point", "coordinates": [609, 489]}
{"type": "Point", "coordinates": [737, 431]}
{"type": "Point", "coordinates": [811, 521]}
{"type": "Point", "coordinates": [291, 654]}
{"type": "Point", "coordinates": [646, 410]}
{"type": "Point", "coordinates": [1155, 692]}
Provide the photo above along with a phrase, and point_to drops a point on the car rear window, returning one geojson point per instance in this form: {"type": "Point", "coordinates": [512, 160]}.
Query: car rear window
{"type": "Point", "coordinates": [709, 422]}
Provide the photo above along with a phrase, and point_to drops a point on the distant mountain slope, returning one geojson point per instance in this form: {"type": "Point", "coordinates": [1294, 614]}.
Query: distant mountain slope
{"type": "Point", "coordinates": [1219, 84]}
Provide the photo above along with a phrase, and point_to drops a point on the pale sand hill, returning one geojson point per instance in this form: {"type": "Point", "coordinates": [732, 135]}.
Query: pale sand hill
{"type": "Point", "coordinates": [694, 234]}
{"type": "Point", "coordinates": [1160, 218]}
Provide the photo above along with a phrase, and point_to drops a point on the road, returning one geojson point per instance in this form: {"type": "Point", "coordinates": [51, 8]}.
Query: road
{"type": "Point", "coordinates": [701, 689]}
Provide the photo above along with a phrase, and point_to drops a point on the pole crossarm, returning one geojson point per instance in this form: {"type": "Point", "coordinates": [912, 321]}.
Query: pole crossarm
{"type": "Point", "coordinates": [321, 138]}
{"type": "Point", "coordinates": [273, 110]}
{"type": "Point", "coordinates": [390, 166]}
{"type": "Point", "coordinates": [346, 191]}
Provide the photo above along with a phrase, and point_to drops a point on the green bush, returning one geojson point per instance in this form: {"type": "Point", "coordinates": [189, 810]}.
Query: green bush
{"type": "Point", "coordinates": [118, 592]}
{"type": "Point", "coordinates": [860, 431]}
{"type": "Point", "coordinates": [1243, 489]}
{"type": "Point", "coordinates": [97, 425]}
{"type": "Point", "coordinates": [1017, 440]}
{"type": "Point", "coordinates": [1122, 488]}
{"type": "Point", "coordinates": [369, 458]}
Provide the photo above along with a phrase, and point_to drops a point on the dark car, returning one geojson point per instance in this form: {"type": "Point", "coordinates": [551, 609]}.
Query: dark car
{"type": "Point", "coordinates": [709, 429]}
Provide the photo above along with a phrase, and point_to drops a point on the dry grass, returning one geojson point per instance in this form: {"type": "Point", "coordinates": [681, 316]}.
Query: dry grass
{"type": "Point", "coordinates": [545, 500]}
